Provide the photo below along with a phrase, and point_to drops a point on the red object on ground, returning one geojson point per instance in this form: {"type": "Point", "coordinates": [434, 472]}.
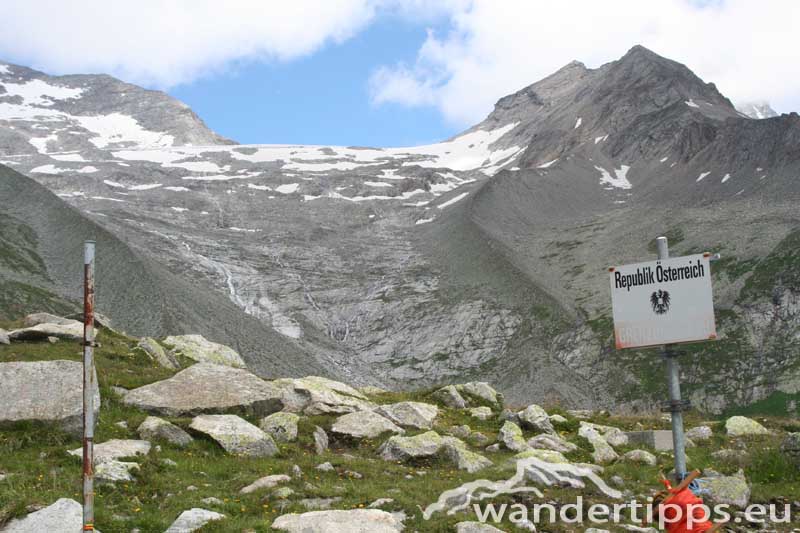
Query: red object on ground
{"type": "Point", "coordinates": [683, 499]}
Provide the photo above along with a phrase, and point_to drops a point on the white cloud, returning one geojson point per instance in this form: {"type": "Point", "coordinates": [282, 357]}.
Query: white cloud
{"type": "Point", "coordinates": [160, 43]}
{"type": "Point", "coordinates": [491, 49]}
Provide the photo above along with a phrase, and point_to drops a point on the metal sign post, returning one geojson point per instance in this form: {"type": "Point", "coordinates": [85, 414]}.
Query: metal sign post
{"type": "Point", "coordinates": [88, 386]}
{"type": "Point", "coordinates": [674, 383]}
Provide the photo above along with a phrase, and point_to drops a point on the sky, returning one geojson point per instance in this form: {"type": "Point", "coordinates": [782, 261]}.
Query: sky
{"type": "Point", "coordinates": [390, 72]}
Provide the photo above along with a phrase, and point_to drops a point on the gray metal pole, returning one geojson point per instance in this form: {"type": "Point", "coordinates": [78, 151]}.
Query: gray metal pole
{"type": "Point", "coordinates": [674, 383]}
{"type": "Point", "coordinates": [88, 386]}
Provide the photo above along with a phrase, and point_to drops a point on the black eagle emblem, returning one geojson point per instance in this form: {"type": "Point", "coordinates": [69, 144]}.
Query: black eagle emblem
{"type": "Point", "coordinates": [659, 300]}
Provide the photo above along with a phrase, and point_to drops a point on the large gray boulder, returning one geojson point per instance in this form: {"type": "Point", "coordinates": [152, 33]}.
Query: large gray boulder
{"type": "Point", "coordinates": [202, 350]}
{"type": "Point", "coordinates": [740, 426]}
{"type": "Point", "coordinates": [35, 319]}
{"type": "Point", "coordinates": [282, 426]}
{"type": "Point", "coordinates": [192, 520]}
{"type": "Point", "coordinates": [483, 391]}
{"type": "Point", "coordinates": [729, 490]}
{"type": "Point", "coordinates": [314, 395]}
{"type": "Point", "coordinates": [603, 452]}
{"type": "Point", "coordinates": [157, 353]}
{"type": "Point", "coordinates": [410, 414]}
{"type": "Point", "coordinates": [399, 448]}
{"type": "Point", "coordinates": [462, 457]}
{"type": "Point", "coordinates": [364, 425]}
{"type": "Point", "coordinates": [536, 418]}
{"type": "Point", "coordinates": [114, 449]}
{"type": "Point", "coordinates": [208, 388]}
{"type": "Point", "coordinates": [70, 332]}
{"type": "Point", "coordinates": [235, 435]}
{"type": "Point", "coordinates": [450, 396]}
{"type": "Point", "coordinates": [157, 428]}
{"type": "Point", "coordinates": [114, 471]}
{"type": "Point", "coordinates": [352, 521]}
{"type": "Point", "coordinates": [511, 436]}
{"type": "Point", "coordinates": [44, 391]}
{"type": "Point", "coordinates": [63, 516]}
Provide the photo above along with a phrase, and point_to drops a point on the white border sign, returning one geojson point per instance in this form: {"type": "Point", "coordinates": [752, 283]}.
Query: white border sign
{"type": "Point", "coordinates": [663, 302]}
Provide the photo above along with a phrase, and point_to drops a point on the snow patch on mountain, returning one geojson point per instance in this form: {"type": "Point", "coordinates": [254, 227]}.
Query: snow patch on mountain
{"type": "Point", "coordinates": [618, 180]}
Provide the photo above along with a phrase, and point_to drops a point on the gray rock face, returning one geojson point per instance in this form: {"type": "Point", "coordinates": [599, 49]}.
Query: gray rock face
{"type": "Point", "coordinates": [158, 354]}
{"type": "Point", "coordinates": [740, 426]}
{"type": "Point", "coordinates": [399, 448]}
{"type": "Point", "coordinates": [114, 449]}
{"type": "Point", "coordinates": [235, 435]}
{"type": "Point", "coordinates": [72, 332]}
{"type": "Point", "coordinates": [354, 521]}
{"type": "Point", "coordinates": [536, 418]}
{"type": "Point", "coordinates": [282, 426]}
{"type": "Point", "coordinates": [154, 428]}
{"type": "Point", "coordinates": [46, 391]}
{"type": "Point", "coordinates": [364, 424]}
{"type": "Point", "coordinates": [200, 349]}
{"type": "Point", "coordinates": [63, 516]}
{"type": "Point", "coordinates": [192, 520]}
{"type": "Point", "coordinates": [207, 388]}
{"type": "Point", "coordinates": [410, 414]}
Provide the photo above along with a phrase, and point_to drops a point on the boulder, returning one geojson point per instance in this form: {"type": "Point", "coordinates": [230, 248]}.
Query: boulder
{"type": "Point", "coordinates": [613, 436]}
{"type": "Point", "coordinates": [192, 520]}
{"type": "Point", "coordinates": [154, 428]}
{"type": "Point", "coordinates": [282, 426]}
{"type": "Point", "coordinates": [740, 426]}
{"type": "Point", "coordinates": [729, 490]}
{"type": "Point", "coordinates": [320, 440]}
{"type": "Point", "coordinates": [158, 354]}
{"type": "Point", "coordinates": [63, 516]}
{"type": "Point", "coordinates": [481, 413]}
{"type": "Point", "coordinates": [235, 435]}
{"type": "Point", "coordinates": [450, 396]}
{"type": "Point", "coordinates": [207, 388]}
{"type": "Point", "coordinates": [399, 448]}
{"type": "Point", "coordinates": [603, 452]}
{"type": "Point", "coordinates": [364, 425]}
{"type": "Point", "coordinates": [511, 437]}
{"type": "Point", "coordinates": [476, 527]}
{"type": "Point", "coordinates": [558, 419]}
{"type": "Point", "coordinates": [35, 319]}
{"type": "Point", "coordinates": [352, 521]}
{"type": "Point", "coordinates": [265, 483]}
{"type": "Point", "coordinates": [70, 332]}
{"type": "Point", "coordinates": [483, 391]}
{"type": "Point", "coordinates": [464, 459]}
{"type": "Point", "coordinates": [114, 449]}
{"type": "Point", "coordinates": [410, 414]}
{"type": "Point", "coordinates": [113, 471]}
{"type": "Point", "coordinates": [551, 442]}
{"type": "Point", "coordinates": [536, 418]}
{"type": "Point", "coordinates": [45, 391]}
{"type": "Point", "coordinates": [641, 457]}
{"type": "Point", "coordinates": [315, 395]}
{"type": "Point", "coordinates": [198, 348]}
{"type": "Point", "coordinates": [791, 446]}
{"type": "Point", "coordinates": [699, 433]}
{"type": "Point", "coordinates": [4, 337]}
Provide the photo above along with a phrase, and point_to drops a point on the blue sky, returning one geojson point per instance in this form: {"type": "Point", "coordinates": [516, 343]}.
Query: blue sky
{"type": "Point", "coordinates": [322, 98]}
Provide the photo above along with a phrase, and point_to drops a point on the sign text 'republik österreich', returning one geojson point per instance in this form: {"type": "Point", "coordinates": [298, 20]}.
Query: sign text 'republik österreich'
{"type": "Point", "coordinates": [663, 302]}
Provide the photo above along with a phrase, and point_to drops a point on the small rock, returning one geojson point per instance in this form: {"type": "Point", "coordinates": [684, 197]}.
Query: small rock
{"type": "Point", "coordinates": [481, 390]}
{"type": "Point", "coordinates": [617, 481]}
{"type": "Point", "coordinates": [464, 459]}
{"type": "Point", "coordinates": [478, 438]}
{"type": "Point", "coordinates": [410, 414]}
{"type": "Point", "coordinates": [641, 457]}
{"type": "Point", "coordinates": [325, 467]}
{"type": "Point", "coordinates": [476, 527]}
{"type": "Point", "coordinates": [380, 502]}
{"type": "Point", "coordinates": [235, 435]}
{"type": "Point", "coordinates": [450, 396]}
{"type": "Point", "coordinates": [494, 448]}
{"type": "Point", "coordinates": [282, 493]}
{"type": "Point", "coordinates": [192, 520]}
{"type": "Point", "coordinates": [551, 442]}
{"type": "Point", "coordinates": [462, 432]}
{"type": "Point", "coordinates": [297, 473]}
{"type": "Point", "coordinates": [318, 504]}
{"type": "Point", "coordinates": [52, 340]}
{"type": "Point", "coordinates": [212, 501]}
{"type": "Point", "coordinates": [399, 448]}
{"type": "Point", "coordinates": [198, 348]}
{"type": "Point", "coordinates": [352, 474]}
{"type": "Point", "coordinates": [266, 482]}
{"type": "Point", "coordinates": [320, 440]}
{"type": "Point", "coordinates": [113, 471]}
{"type": "Point", "coordinates": [158, 428]}
{"type": "Point", "coordinates": [580, 414]}
{"type": "Point", "coordinates": [121, 424]}
{"type": "Point", "coordinates": [352, 521]}
{"type": "Point", "coordinates": [115, 449]}
{"type": "Point", "coordinates": [191, 488]}
{"type": "Point", "coordinates": [507, 415]}
{"type": "Point", "coordinates": [168, 462]}
{"type": "Point", "coordinates": [699, 433]}
{"type": "Point", "coordinates": [281, 425]}
{"type": "Point", "coordinates": [481, 413]}
{"type": "Point", "coordinates": [4, 337]}
{"type": "Point", "coordinates": [739, 426]}
{"type": "Point", "coordinates": [558, 419]}
{"type": "Point", "coordinates": [613, 436]}
{"type": "Point", "coordinates": [545, 455]}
